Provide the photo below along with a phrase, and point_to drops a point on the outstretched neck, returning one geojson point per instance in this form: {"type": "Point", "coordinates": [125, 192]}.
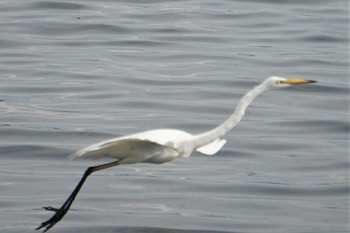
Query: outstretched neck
{"type": "Point", "coordinates": [218, 132]}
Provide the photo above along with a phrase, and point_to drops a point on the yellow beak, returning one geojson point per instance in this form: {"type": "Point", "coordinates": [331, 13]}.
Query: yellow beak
{"type": "Point", "coordinates": [298, 81]}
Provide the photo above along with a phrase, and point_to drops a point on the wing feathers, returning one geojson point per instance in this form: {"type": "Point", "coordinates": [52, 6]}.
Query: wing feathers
{"type": "Point", "coordinates": [212, 148]}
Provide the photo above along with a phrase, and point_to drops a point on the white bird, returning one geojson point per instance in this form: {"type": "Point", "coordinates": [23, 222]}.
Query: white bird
{"type": "Point", "coordinates": [162, 145]}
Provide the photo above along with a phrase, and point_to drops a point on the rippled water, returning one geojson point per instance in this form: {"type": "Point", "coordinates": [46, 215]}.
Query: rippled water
{"type": "Point", "coordinates": [75, 73]}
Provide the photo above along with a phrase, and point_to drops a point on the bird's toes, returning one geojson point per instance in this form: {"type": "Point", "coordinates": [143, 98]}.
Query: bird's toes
{"type": "Point", "coordinates": [50, 208]}
{"type": "Point", "coordinates": [42, 225]}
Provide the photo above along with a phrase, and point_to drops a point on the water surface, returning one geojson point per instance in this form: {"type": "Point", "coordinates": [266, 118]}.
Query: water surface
{"type": "Point", "coordinates": [75, 73]}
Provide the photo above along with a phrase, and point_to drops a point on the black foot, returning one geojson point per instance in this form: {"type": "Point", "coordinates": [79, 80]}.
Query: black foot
{"type": "Point", "coordinates": [59, 213]}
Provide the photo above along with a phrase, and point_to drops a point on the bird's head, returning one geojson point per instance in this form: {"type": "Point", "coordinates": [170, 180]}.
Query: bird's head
{"type": "Point", "coordinates": [278, 82]}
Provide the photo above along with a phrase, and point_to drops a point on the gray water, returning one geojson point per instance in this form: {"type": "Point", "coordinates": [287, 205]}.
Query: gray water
{"type": "Point", "coordinates": [78, 72]}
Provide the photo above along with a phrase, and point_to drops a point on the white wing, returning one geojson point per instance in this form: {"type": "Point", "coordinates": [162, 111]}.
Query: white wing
{"type": "Point", "coordinates": [144, 145]}
{"type": "Point", "coordinates": [212, 148]}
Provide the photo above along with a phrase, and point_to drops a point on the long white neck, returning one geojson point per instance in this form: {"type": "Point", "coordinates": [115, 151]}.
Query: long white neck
{"type": "Point", "coordinates": [205, 138]}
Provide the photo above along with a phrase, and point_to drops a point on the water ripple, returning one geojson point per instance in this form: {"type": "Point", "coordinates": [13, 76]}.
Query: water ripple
{"type": "Point", "coordinates": [75, 73]}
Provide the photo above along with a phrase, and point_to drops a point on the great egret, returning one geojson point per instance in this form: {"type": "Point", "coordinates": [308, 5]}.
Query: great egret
{"type": "Point", "coordinates": [162, 145]}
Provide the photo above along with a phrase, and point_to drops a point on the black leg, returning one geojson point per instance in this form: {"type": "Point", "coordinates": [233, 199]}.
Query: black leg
{"type": "Point", "coordinates": [59, 213]}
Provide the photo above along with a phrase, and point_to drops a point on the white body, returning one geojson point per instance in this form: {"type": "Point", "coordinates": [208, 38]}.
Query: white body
{"type": "Point", "coordinates": [164, 145]}
{"type": "Point", "coordinates": [154, 146]}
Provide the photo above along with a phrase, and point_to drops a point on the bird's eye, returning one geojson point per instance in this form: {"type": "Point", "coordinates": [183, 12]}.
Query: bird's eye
{"type": "Point", "coordinates": [278, 82]}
